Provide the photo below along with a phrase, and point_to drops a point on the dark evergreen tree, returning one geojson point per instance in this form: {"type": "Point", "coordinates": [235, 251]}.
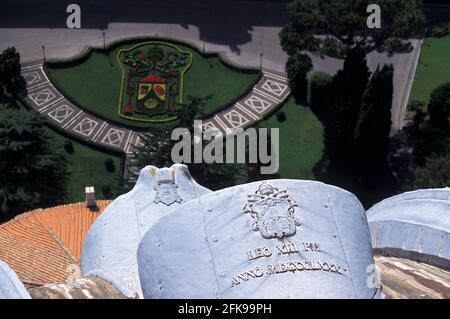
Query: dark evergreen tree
{"type": "Point", "coordinates": [297, 68]}
{"type": "Point", "coordinates": [349, 86]}
{"type": "Point", "coordinates": [321, 95]}
{"type": "Point", "coordinates": [439, 108]}
{"type": "Point", "coordinates": [374, 125]}
{"type": "Point", "coordinates": [33, 166]}
{"type": "Point", "coordinates": [10, 70]}
{"type": "Point", "coordinates": [434, 174]}
{"type": "Point", "coordinates": [429, 133]}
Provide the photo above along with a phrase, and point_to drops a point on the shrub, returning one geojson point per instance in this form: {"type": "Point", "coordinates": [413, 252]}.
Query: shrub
{"type": "Point", "coordinates": [439, 30]}
{"type": "Point", "coordinates": [281, 117]}
{"type": "Point", "coordinates": [68, 147]}
{"type": "Point", "coordinates": [416, 106]}
{"type": "Point", "coordinates": [297, 68]}
{"type": "Point", "coordinates": [320, 91]}
{"type": "Point", "coordinates": [434, 174]}
{"type": "Point", "coordinates": [439, 107]}
{"type": "Point", "coordinates": [109, 165]}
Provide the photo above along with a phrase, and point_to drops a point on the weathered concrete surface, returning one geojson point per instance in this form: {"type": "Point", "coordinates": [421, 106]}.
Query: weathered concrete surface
{"type": "Point", "coordinates": [407, 279]}
{"type": "Point", "coordinates": [415, 225]}
{"type": "Point", "coordinates": [10, 285]}
{"type": "Point", "coordinates": [214, 246]}
{"type": "Point", "coordinates": [111, 244]}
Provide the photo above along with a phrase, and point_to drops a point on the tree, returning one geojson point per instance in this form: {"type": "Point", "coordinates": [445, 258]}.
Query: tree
{"type": "Point", "coordinates": [10, 70]}
{"type": "Point", "coordinates": [429, 133]}
{"type": "Point", "coordinates": [349, 85]}
{"type": "Point", "coordinates": [321, 95]}
{"type": "Point", "coordinates": [297, 68]}
{"type": "Point", "coordinates": [33, 166]}
{"type": "Point", "coordinates": [434, 174]}
{"type": "Point", "coordinates": [156, 146]}
{"type": "Point", "coordinates": [374, 124]}
{"type": "Point", "coordinates": [439, 107]}
{"type": "Point", "coordinates": [332, 27]}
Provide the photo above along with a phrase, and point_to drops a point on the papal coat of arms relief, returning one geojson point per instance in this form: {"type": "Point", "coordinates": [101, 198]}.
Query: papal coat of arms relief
{"type": "Point", "coordinates": [166, 192]}
{"type": "Point", "coordinates": [152, 81]}
{"type": "Point", "coordinates": [272, 211]}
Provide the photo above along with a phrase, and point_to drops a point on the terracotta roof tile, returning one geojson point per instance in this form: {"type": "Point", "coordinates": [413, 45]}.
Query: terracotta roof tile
{"type": "Point", "coordinates": [43, 245]}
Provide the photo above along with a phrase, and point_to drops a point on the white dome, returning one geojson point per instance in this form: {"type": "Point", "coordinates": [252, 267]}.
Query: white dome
{"type": "Point", "coordinates": [10, 285]}
{"type": "Point", "coordinates": [111, 244]}
{"type": "Point", "coordinates": [414, 225]}
{"type": "Point", "coordinates": [300, 239]}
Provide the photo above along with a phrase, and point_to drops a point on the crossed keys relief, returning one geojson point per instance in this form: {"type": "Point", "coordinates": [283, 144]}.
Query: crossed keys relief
{"type": "Point", "coordinates": [272, 211]}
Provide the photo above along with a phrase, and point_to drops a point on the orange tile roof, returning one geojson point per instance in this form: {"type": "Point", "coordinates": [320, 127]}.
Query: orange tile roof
{"type": "Point", "coordinates": [43, 245]}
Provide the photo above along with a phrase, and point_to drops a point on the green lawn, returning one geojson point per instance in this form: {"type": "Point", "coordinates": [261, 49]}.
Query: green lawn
{"type": "Point", "coordinates": [301, 143]}
{"type": "Point", "coordinates": [94, 82]}
{"type": "Point", "coordinates": [433, 68]}
{"type": "Point", "coordinates": [87, 168]}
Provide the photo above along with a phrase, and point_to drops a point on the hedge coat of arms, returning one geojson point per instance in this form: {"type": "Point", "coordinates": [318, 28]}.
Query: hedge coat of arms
{"type": "Point", "coordinates": [272, 211]}
{"type": "Point", "coordinates": [152, 81]}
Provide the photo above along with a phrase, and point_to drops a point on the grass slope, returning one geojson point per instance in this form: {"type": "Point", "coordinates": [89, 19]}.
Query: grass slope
{"type": "Point", "coordinates": [433, 68]}
{"type": "Point", "coordinates": [301, 140]}
{"type": "Point", "coordinates": [87, 168]}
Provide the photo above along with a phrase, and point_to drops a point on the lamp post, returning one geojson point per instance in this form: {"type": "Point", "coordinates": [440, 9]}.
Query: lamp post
{"type": "Point", "coordinates": [260, 61]}
{"type": "Point", "coordinates": [204, 50]}
{"type": "Point", "coordinates": [43, 52]}
{"type": "Point", "coordinates": [104, 44]}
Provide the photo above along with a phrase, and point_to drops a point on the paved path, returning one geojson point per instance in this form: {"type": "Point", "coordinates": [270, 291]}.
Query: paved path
{"type": "Point", "coordinates": [43, 96]}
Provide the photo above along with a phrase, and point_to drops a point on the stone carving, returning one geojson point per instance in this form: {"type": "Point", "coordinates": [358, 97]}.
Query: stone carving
{"type": "Point", "coordinates": [10, 285]}
{"type": "Point", "coordinates": [166, 192]}
{"type": "Point", "coordinates": [272, 211]}
{"type": "Point", "coordinates": [111, 244]}
{"type": "Point", "coordinates": [207, 247]}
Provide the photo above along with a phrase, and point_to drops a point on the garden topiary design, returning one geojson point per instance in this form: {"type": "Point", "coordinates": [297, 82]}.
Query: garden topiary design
{"type": "Point", "coordinates": [152, 81]}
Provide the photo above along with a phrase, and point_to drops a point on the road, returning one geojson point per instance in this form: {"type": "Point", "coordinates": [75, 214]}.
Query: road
{"type": "Point", "coordinates": [241, 30]}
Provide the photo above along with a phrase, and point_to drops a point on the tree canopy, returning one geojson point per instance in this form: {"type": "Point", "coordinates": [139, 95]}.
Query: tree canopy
{"type": "Point", "coordinates": [10, 70]}
{"type": "Point", "coordinates": [33, 167]}
{"type": "Point", "coordinates": [374, 124]}
{"type": "Point", "coordinates": [434, 174]}
{"type": "Point", "coordinates": [439, 107]}
{"type": "Point", "coordinates": [332, 27]}
{"type": "Point", "coordinates": [297, 68]}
